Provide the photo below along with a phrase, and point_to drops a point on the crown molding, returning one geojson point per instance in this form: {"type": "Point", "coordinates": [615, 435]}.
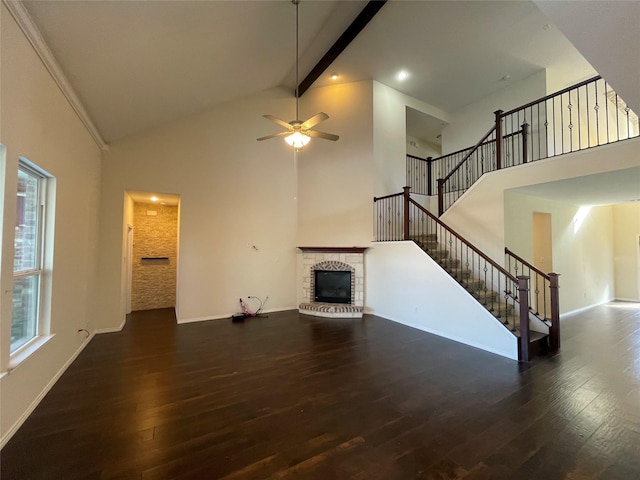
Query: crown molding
{"type": "Point", "coordinates": [25, 22]}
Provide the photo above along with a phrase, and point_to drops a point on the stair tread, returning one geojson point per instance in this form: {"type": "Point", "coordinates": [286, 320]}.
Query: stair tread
{"type": "Point", "coordinates": [535, 336]}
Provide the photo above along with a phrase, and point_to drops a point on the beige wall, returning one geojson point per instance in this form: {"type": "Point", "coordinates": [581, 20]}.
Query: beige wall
{"type": "Point", "coordinates": [38, 123]}
{"type": "Point", "coordinates": [245, 205]}
{"type": "Point", "coordinates": [626, 224]}
{"type": "Point", "coordinates": [155, 234]}
{"type": "Point", "coordinates": [335, 180]}
{"type": "Point", "coordinates": [236, 193]}
{"type": "Point", "coordinates": [582, 246]}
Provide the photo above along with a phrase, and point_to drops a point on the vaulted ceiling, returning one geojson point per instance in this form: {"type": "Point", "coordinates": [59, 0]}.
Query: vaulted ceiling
{"type": "Point", "coordinates": [138, 64]}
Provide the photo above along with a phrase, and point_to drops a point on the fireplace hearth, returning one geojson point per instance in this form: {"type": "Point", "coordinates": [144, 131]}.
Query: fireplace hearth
{"type": "Point", "coordinates": [332, 283]}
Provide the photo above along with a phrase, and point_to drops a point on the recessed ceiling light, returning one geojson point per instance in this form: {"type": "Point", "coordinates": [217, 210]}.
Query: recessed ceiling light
{"type": "Point", "coordinates": [334, 76]}
{"type": "Point", "coordinates": [403, 75]}
{"type": "Point", "coordinates": [154, 199]}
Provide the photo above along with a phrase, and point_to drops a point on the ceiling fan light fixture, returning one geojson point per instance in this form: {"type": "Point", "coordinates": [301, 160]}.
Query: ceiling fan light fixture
{"type": "Point", "coordinates": [297, 139]}
{"type": "Point", "coordinates": [299, 133]}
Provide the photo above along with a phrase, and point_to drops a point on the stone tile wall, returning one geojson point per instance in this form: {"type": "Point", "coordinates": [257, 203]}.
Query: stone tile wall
{"type": "Point", "coordinates": [330, 261]}
{"type": "Point", "coordinates": [154, 281]}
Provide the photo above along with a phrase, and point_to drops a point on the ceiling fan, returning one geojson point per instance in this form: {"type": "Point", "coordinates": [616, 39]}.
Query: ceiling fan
{"type": "Point", "coordinates": [299, 133]}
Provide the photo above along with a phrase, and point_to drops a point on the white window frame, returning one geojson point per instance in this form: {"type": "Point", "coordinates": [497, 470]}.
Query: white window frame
{"type": "Point", "coordinates": [38, 270]}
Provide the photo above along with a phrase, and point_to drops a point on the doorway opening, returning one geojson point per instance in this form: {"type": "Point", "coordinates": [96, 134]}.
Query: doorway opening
{"type": "Point", "coordinates": [542, 259]}
{"type": "Point", "coordinates": [151, 250]}
{"type": "Point", "coordinates": [638, 266]}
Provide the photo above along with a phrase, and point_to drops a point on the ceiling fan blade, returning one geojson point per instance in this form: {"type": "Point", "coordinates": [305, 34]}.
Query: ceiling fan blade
{"type": "Point", "coordinates": [278, 121]}
{"type": "Point", "coordinates": [315, 120]}
{"type": "Point", "coordinates": [326, 136]}
{"type": "Point", "coordinates": [274, 135]}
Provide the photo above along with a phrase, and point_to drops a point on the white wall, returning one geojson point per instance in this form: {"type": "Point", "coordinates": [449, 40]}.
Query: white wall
{"type": "Point", "coordinates": [39, 124]}
{"type": "Point", "coordinates": [626, 253]}
{"type": "Point", "coordinates": [390, 136]}
{"type": "Point", "coordinates": [403, 284]}
{"type": "Point", "coordinates": [421, 148]}
{"type": "Point", "coordinates": [582, 242]}
{"type": "Point", "coordinates": [469, 124]}
{"type": "Point", "coordinates": [606, 33]}
{"type": "Point", "coordinates": [479, 213]}
{"type": "Point", "coordinates": [237, 194]}
{"type": "Point", "coordinates": [335, 179]}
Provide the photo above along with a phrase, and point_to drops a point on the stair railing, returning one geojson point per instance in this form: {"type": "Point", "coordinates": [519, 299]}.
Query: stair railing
{"type": "Point", "coordinates": [422, 173]}
{"type": "Point", "coordinates": [389, 221]}
{"type": "Point", "coordinates": [478, 160]}
{"type": "Point", "coordinates": [579, 117]}
{"type": "Point", "coordinates": [543, 295]}
{"type": "Point", "coordinates": [585, 115]}
{"type": "Point", "coordinates": [399, 217]}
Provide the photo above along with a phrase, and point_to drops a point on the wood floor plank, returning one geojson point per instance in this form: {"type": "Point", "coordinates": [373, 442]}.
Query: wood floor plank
{"type": "Point", "coordinates": [296, 397]}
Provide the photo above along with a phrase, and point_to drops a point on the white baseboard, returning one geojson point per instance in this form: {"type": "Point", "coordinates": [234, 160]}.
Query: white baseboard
{"type": "Point", "coordinates": [202, 319]}
{"type": "Point", "coordinates": [229, 315]}
{"type": "Point", "coordinates": [582, 309]}
{"type": "Point", "coordinates": [487, 348]}
{"type": "Point", "coordinates": [113, 329]}
{"type": "Point", "coordinates": [14, 428]}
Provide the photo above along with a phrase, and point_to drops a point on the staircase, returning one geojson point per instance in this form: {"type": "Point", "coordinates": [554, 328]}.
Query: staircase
{"type": "Point", "coordinates": [495, 302]}
{"type": "Point", "coordinates": [583, 116]}
{"type": "Point", "coordinates": [505, 295]}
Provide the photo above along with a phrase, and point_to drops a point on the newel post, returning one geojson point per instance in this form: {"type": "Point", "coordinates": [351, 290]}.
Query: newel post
{"type": "Point", "coordinates": [429, 175]}
{"type": "Point", "coordinates": [523, 299]}
{"type": "Point", "coordinates": [406, 212]}
{"type": "Point", "coordinates": [554, 330]}
{"type": "Point", "coordinates": [440, 197]}
{"type": "Point", "coordinates": [525, 132]}
{"type": "Point", "coordinates": [498, 114]}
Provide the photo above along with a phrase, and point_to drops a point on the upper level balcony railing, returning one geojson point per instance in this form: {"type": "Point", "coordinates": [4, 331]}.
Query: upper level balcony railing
{"type": "Point", "coordinates": [583, 116]}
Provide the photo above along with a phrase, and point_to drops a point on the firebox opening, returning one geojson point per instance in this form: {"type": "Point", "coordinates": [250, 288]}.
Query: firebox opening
{"type": "Point", "coordinates": [332, 286]}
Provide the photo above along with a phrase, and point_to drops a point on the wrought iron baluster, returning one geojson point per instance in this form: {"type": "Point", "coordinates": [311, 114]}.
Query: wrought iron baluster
{"type": "Point", "coordinates": [606, 113]}
{"type": "Point", "coordinates": [579, 120]}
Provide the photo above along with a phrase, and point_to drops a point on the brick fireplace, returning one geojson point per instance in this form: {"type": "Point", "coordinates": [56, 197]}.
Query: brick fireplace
{"type": "Point", "coordinates": [332, 259]}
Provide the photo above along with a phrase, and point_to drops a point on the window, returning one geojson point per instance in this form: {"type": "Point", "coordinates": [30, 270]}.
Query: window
{"type": "Point", "coordinates": [28, 256]}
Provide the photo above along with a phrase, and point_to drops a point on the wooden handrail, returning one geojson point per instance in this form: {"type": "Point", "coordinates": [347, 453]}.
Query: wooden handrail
{"type": "Point", "coordinates": [513, 134]}
{"type": "Point", "coordinates": [527, 264]}
{"type": "Point", "coordinates": [466, 157]}
{"type": "Point", "coordinates": [552, 95]}
{"type": "Point", "coordinates": [467, 243]}
{"type": "Point", "coordinates": [375, 199]}
{"type": "Point", "coordinates": [514, 289]}
{"type": "Point", "coordinates": [581, 141]}
{"type": "Point", "coordinates": [550, 281]}
{"type": "Point", "coordinates": [429, 159]}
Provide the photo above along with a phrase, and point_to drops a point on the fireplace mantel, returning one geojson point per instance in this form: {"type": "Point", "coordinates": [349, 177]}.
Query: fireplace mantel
{"type": "Point", "coordinates": [333, 249]}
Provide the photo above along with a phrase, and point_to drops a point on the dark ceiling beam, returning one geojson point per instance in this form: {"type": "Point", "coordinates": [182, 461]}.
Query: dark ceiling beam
{"type": "Point", "coordinates": [352, 31]}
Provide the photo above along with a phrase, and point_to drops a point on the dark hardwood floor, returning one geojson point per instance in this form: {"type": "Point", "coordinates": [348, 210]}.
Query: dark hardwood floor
{"type": "Point", "coordinates": [297, 397]}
